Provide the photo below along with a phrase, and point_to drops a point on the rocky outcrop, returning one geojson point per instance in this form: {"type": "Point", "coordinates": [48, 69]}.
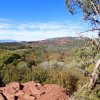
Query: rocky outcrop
{"type": "Point", "coordinates": [32, 91]}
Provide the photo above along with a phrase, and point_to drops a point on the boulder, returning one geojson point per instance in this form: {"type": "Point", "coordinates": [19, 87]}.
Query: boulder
{"type": "Point", "coordinates": [32, 91]}
{"type": "Point", "coordinates": [53, 92]}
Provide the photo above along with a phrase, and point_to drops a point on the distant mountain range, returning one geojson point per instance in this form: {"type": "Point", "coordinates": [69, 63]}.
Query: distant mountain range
{"type": "Point", "coordinates": [7, 40]}
{"type": "Point", "coordinates": [61, 43]}
{"type": "Point", "coordinates": [60, 40]}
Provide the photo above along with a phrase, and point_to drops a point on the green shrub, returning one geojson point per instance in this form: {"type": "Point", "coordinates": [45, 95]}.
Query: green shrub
{"type": "Point", "coordinates": [69, 78]}
{"type": "Point", "coordinates": [8, 58]}
{"type": "Point", "coordinates": [22, 65]}
{"type": "Point", "coordinates": [39, 75]}
{"type": "Point", "coordinates": [90, 68]}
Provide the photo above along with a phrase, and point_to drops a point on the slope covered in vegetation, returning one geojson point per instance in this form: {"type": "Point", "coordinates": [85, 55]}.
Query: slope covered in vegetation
{"type": "Point", "coordinates": [65, 64]}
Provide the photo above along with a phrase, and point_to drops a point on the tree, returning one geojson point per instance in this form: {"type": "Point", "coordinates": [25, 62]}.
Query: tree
{"type": "Point", "coordinates": [91, 13]}
{"type": "Point", "coordinates": [89, 8]}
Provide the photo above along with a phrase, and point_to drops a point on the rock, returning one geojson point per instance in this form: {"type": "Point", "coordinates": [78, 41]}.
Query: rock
{"type": "Point", "coordinates": [1, 97]}
{"type": "Point", "coordinates": [32, 91]}
{"type": "Point", "coordinates": [26, 97]}
{"type": "Point", "coordinates": [53, 92]}
{"type": "Point", "coordinates": [19, 93]}
{"type": "Point", "coordinates": [9, 96]}
{"type": "Point", "coordinates": [29, 83]}
{"type": "Point", "coordinates": [12, 88]}
{"type": "Point", "coordinates": [32, 88]}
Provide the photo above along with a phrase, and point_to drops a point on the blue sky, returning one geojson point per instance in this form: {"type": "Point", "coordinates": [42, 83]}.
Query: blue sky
{"type": "Point", "coordinates": [29, 20]}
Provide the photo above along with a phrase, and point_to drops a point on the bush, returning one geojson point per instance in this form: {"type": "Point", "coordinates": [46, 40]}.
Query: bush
{"type": "Point", "coordinates": [39, 75]}
{"type": "Point", "coordinates": [69, 78]}
{"type": "Point", "coordinates": [9, 58]}
{"type": "Point", "coordinates": [22, 65]}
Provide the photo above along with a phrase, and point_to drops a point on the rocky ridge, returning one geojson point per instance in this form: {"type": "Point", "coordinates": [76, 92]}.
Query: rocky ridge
{"type": "Point", "coordinates": [32, 91]}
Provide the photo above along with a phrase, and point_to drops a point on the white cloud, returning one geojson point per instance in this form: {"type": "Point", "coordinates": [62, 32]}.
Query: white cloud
{"type": "Point", "coordinates": [51, 26]}
{"type": "Point", "coordinates": [5, 26]}
{"type": "Point", "coordinates": [37, 31]}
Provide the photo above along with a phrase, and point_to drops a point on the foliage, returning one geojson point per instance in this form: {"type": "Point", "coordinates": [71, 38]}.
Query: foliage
{"type": "Point", "coordinates": [65, 77]}
{"type": "Point", "coordinates": [89, 8]}
{"type": "Point", "coordinates": [47, 64]}
{"type": "Point", "coordinates": [9, 58]}
{"type": "Point", "coordinates": [39, 75]}
{"type": "Point", "coordinates": [11, 46]}
{"type": "Point", "coordinates": [84, 94]}
{"type": "Point", "coordinates": [91, 12]}
{"type": "Point", "coordinates": [22, 65]}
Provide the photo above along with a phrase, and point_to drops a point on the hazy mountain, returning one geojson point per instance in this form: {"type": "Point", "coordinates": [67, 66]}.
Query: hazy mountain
{"type": "Point", "coordinates": [51, 44]}
{"type": "Point", "coordinates": [7, 40]}
{"type": "Point", "coordinates": [61, 40]}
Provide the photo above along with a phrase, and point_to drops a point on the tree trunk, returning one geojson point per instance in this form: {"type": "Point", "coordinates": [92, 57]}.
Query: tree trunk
{"type": "Point", "coordinates": [94, 76]}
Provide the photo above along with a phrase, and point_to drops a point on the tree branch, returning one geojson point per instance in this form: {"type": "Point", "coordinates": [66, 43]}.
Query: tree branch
{"type": "Point", "coordinates": [94, 29]}
{"type": "Point", "coordinates": [94, 7]}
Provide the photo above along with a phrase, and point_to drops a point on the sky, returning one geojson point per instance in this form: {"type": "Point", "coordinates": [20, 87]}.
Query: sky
{"type": "Point", "coordinates": [32, 20]}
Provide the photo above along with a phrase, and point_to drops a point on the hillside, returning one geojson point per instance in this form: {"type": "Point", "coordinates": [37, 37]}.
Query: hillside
{"type": "Point", "coordinates": [59, 41]}
{"type": "Point", "coordinates": [62, 43]}
{"type": "Point", "coordinates": [65, 61]}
